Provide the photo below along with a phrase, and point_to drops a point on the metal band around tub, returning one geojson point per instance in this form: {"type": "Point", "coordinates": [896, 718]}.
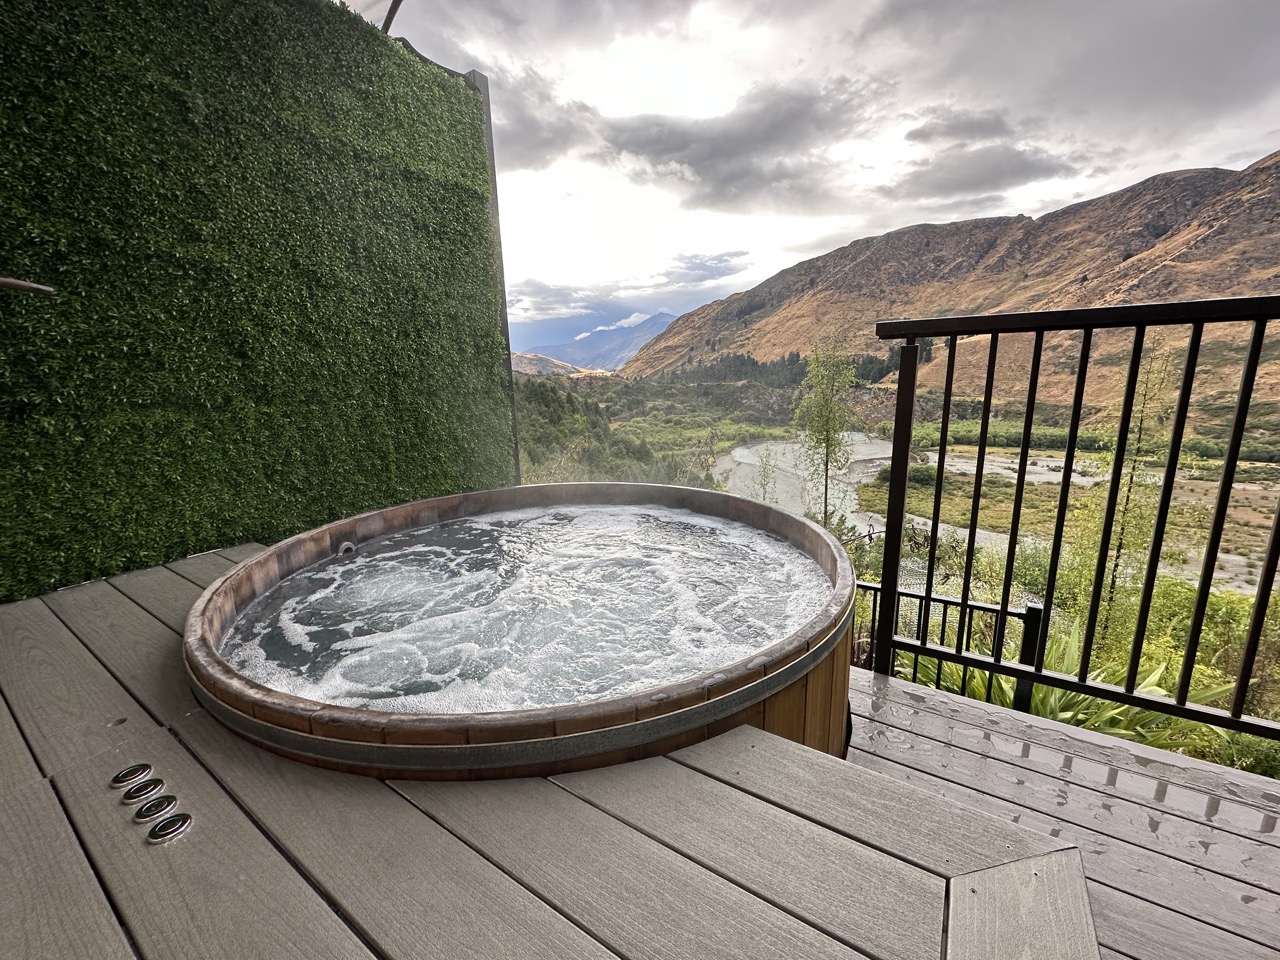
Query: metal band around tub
{"type": "Point", "coordinates": [397, 756]}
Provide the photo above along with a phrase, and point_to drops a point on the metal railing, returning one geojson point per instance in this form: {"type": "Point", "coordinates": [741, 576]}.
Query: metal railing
{"type": "Point", "coordinates": [920, 623]}
{"type": "Point", "coordinates": [1086, 326]}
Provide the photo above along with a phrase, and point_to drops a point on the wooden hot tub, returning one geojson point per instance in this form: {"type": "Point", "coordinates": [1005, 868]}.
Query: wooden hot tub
{"type": "Point", "coordinates": [796, 688]}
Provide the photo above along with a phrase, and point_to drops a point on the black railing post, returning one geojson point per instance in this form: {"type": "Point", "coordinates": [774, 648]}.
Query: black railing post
{"type": "Point", "coordinates": [895, 518]}
{"type": "Point", "coordinates": [1028, 657]}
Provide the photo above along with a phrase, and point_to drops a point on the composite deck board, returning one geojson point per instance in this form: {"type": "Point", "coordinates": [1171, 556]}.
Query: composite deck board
{"type": "Point", "coordinates": [1190, 841]}
{"type": "Point", "coordinates": [202, 568]}
{"type": "Point", "coordinates": [1210, 779]}
{"type": "Point", "coordinates": [65, 702]}
{"type": "Point", "coordinates": [434, 897]}
{"type": "Point", "coordinates": [1246, 820]}
{"type": "Point", "coordinates": [1038, 904]}
{"type": "Point", "coordinates": [140, 651]}
{"type": "Point", "coordinates": [161, 592]}
{"type": "Point", "coordinates": [1156, 892]}
{"type": "Point", "coordinates": [863, 805]}
{"type": "Point", "coordinates": [1225, 902]}
{"type": "Point", "coordinates": [863, 897]}
{"type": "Point", "coordinates": [51, 906]}
{"type": "Point", "coordinates": [15, 759]}
{"type": "Point", "coordinates": [242, 552]}
{"type": "Point", "coordinates": [1143, 931]}
{"type": "Point", "coordinates": [220, 891]}
{"type": "Point", "coordinates": [638, 897]}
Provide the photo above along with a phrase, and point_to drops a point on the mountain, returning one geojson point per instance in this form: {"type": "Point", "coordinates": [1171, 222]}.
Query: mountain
{"type": "Point", "coordinates": [526, 336]}
{"type": "Point", "coordinates": [1191, 234]}
{"type": "Point", "coordinates": [532, 363]}
{"type": "Point", "coordinates": [607, 349]}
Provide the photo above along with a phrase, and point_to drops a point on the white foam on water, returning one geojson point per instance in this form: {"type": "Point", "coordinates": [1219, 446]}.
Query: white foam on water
{"type": "Point", "coordinates": [527, 608]}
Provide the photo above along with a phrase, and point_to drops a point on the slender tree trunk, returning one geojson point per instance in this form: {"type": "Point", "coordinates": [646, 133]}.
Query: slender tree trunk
{"type": "Point", "coordinates": [1160, 375]}
{"type": "Point", "coordinates": [1120, 535]}
{"type": "Point", "coordinates": [826, 481]}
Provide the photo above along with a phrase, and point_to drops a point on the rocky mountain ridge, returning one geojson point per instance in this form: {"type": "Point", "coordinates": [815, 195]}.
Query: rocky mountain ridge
{"type": "Point", "coordinates": [1190, 234]}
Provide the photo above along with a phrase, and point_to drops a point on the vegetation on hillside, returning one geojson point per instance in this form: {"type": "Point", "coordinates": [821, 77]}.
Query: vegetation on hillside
{"type": "Point", "coordinates": [1097, 600]}
{"type": "Point", "coordinates": [610, 429]}
{"type": "Point", "coordinates": [671, 431]}
{"type": "Point", "coordinates": [788, 371]}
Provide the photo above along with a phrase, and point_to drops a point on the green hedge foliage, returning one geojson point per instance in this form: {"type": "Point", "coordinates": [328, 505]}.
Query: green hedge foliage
{"type": "Point", "coordinates": [279, 295]}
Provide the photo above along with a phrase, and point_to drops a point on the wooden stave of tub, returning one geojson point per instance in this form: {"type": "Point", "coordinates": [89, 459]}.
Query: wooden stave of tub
{"type": "Point", "coordinates": [797, 688]}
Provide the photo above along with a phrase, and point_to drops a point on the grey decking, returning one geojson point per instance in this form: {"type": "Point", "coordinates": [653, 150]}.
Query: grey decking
{"type": "Point", "coordinates": [1182, 857]}
{"type": "Point", "coordinates": [739, 847]}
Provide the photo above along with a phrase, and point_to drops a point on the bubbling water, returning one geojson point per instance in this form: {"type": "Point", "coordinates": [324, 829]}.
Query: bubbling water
{"type": "Point", "coordinates": [527, 608]}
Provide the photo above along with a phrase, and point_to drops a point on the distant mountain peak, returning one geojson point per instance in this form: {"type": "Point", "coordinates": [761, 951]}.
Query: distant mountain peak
{"type": "Point", "coordinates": [607, 349]}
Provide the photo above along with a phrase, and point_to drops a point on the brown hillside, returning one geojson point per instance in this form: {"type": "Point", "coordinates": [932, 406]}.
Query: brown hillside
{"type": "Point", "coordinates": [535, 364]}
{"type": "Point", "coordinates": [1176, 236]}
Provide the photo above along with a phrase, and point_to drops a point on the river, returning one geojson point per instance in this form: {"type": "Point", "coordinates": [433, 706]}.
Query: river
{"type": "Point", "coordinates": [774, 471]}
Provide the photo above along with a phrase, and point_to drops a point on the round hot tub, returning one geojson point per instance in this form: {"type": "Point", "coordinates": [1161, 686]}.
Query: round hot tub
{"type": "Point", "coordinates": [329, 693]}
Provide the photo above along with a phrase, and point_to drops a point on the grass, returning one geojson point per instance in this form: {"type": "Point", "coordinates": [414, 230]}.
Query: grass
{"type": "Point", "coordinates": [1245, 530]}
{"type": "Point", "coordinates": [1039, 502]}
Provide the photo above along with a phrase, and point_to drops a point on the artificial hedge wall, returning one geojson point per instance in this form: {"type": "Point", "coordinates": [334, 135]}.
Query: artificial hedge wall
{"type": "Point", "coordinates": [279, 289]}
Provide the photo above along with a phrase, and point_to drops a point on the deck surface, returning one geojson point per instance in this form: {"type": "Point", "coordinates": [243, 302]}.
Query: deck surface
{"type": "Point", "coordinates": [1182, 857]}
{"type": "Point", "coordinates": [742, 846]}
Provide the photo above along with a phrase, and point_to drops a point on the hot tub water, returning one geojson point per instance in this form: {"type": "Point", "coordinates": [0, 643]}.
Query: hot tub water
{"type": "Point", "coordinates": [527, 608]}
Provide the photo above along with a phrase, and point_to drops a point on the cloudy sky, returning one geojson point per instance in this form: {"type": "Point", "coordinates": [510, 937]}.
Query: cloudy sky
{"type": "Point", "coordinates": [653, 156]}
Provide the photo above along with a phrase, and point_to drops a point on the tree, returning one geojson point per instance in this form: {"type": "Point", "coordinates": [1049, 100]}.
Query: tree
{"type": "Point", "coordinates": [821, 417]}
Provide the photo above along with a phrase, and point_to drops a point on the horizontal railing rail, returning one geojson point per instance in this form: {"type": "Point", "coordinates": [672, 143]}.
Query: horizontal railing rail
{"type": "Point", "coordinates": [1224, 310]}
{"type": "Point", "coordinates": [927, 626]}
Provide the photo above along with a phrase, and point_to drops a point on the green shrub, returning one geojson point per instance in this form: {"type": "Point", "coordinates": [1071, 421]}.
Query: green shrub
{"type": "Point", "coordinates": [1077, 709]}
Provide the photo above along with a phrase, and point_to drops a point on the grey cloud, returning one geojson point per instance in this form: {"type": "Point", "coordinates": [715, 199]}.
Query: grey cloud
{"type": "Point", "coordinates": [824, 243]}
{"type": "Point", "coordinates": [539, 27]}
{"type": "Point", "coordinates": [968, 206]}
{"type": "Point", "coordinates": [913, 16]}
{"type": "Point", "coordinates": [690, 281]}
{"type": "Point", "coordinates": [1142, 69]}
{"type": "Point", "coordinates": [699, 268]}
{"type": "Point", "coordinates": [965, 125]}
{"type": "Point", "coordinates": [967, 171]}
{"type": "Point", "coordinates": [766, 152]}
{"type": "Point", "coordinates": [532, 128]}
{"type": "Point", "coordinates": [548, 299]}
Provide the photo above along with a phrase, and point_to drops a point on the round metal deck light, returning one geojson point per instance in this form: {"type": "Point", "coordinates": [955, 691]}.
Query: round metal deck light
{"type": "Point", "coordinates": [130, 775]}
{"type": "Point", "coordinates": [155, 808]}
{"type": "Point", "coordinates": [142, 790]}
{"type": "Point", "coordinates": [169, 828]}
